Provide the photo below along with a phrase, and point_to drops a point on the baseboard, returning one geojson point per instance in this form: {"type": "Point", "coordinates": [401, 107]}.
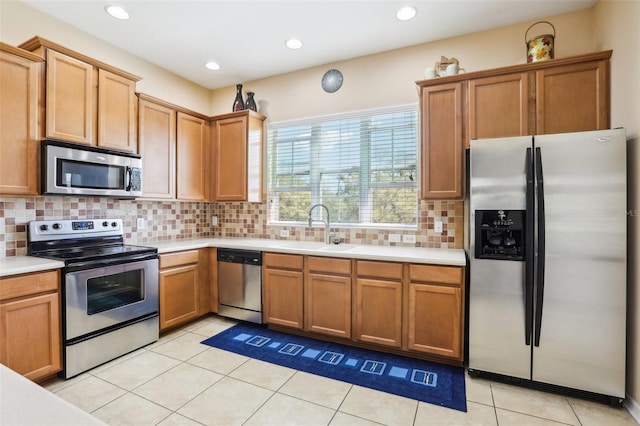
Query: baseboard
{"type": "Point", "coordinates": [633, 407]}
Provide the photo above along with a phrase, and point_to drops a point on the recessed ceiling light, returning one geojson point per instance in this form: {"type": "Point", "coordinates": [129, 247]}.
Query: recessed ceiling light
{"type": "Point", "coordinates": [212, 66]}
{"type": "Point", "coordinates": [406, 13]}
{"type": "Point", "coordinates": [293, 43]}
{"type": "Point", "coordinates": [117, 12]}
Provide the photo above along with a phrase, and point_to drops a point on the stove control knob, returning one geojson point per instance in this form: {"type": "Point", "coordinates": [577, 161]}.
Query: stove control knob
{"type": "Point", "coordinates": [105, 223]}
{"type": "Point", "coordinates": [114, 224]}
{"type": "Point", "coordinates": [57, 226]}
{"type": "Point", "coordinates": [44, 227]}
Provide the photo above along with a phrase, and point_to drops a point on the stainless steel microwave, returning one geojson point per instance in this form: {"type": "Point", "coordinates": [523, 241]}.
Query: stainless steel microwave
{"type": "Point", "coordinates": [73, 169]}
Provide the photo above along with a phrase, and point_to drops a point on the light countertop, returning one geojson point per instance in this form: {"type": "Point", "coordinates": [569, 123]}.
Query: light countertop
{"type": "Point", "coordinates": [452, 257]}
{"type": "Point", "coordinates": [25, 264]}
{"type": "Point", "coordinates": [23, 402]}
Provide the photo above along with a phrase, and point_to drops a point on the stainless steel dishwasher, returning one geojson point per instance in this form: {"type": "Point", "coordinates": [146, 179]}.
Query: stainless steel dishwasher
{"type": "Point", "coordinates": [240, 284]}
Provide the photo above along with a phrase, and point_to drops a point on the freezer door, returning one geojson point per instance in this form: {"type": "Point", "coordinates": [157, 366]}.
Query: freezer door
{"type": "Point", "coordinates": [497, 287]}
{"type": "Point", "coordinates": [582, 328]}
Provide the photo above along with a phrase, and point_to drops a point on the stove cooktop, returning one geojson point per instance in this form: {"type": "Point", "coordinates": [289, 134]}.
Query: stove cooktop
{"type": "Point", "coordinates": [81, 240]}
{"type": "Point", "coordinates": [93, 253]}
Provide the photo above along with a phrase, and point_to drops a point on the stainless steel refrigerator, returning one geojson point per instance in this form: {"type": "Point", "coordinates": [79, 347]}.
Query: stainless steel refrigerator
{"type": "Point", "coordinates": [548, 254]}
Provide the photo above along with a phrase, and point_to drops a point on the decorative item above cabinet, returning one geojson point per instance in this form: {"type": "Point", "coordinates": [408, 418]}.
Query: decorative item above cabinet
{"type": "Point", "coordinates": [75, 111]}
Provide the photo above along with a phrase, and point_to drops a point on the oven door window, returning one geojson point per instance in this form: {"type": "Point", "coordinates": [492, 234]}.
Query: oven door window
{"type": "Point", "coordinates": [112, 291]}
{"type": "Point", "coordinates": [79, 174]}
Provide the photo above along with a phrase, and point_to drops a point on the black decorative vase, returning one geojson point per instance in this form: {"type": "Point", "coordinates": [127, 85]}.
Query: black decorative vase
{"type": "Point", "coordinates": [238, 103]}
{"type": "Point", "coordinates": [251, 103]}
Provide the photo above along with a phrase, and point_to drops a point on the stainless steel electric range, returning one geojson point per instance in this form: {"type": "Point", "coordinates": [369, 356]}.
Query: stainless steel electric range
{"type": "Point", "coordinates": [109, 289]}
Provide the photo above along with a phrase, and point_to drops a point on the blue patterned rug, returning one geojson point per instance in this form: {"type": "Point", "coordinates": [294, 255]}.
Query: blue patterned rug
{"type": "Point", "coordinates": [426, 381]}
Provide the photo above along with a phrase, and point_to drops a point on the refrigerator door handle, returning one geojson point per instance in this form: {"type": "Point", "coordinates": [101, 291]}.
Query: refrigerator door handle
{"type": "Point", "coordinates": [541, 247]}
{"type": "Point", "coordinates": [529, 254]}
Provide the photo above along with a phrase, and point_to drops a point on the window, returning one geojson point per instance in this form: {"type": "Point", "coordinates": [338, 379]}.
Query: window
{"type": "Point", "coordinates": [362, 166]}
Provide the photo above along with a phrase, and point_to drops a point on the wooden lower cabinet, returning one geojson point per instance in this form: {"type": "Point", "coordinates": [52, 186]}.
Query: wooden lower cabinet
{"type": "Point", "coordinates": [282, 286]}
{"type": "Point", "coordinates": [378, 312]}
{"type": "Point", "coordinates": [434, 320]}
{"type": "Point", "coordinates": [401, 307]}
{"type": "Point", "coordinates": [435, 314]}
{"type": "Point", "coordinates": [180, 293]}
{"type": "Point", "coordinates": [213, 280]}
{"type": "Point", "coordinates": [30, 333]}
{"type": "Point", "coordinates": [378, 303]}
{"type": "Point", "coordinates": [327, 299]}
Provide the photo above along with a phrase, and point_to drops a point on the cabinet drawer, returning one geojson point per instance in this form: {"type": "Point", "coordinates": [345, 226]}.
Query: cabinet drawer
{"type": "Point", "coordinates": [180, 258]}
{"type": "Point", "coordinates": [24, 285]}
{"type": "Point", "coordinates": [436, 274]}
{"type": "Point", "coordinates": [380, 269]}
{"type": "Point", "coordinates": [329, 264]}
{"type": "Point", "coordinates": [286, 261]}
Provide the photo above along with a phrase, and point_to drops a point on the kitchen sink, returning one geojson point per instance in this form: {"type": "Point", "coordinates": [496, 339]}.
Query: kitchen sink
{"type": "Point", "coordinates": [316, 246]}
{"type": "Point", "coordinates": [337, 247]}
{"type": "Point", "coordinates": [299, 245]}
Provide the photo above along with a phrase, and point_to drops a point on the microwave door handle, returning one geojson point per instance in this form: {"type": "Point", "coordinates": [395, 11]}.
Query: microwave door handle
{"type": "Point", "coordinates": [127, 178]}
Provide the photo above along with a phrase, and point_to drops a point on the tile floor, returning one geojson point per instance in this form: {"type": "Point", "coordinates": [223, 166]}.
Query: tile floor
{"type": "Point", "coordinates": [178, 381]}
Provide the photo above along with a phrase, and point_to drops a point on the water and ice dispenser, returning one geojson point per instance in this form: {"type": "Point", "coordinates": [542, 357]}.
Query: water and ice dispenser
{"type": "Point", "coordinates": [500, 234]}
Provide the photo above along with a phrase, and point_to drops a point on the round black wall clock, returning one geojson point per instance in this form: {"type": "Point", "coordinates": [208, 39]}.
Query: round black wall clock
{"type": "Point", "coordinates": [332, 81]}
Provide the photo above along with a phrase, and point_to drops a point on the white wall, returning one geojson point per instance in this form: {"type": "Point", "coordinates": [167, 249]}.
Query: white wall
{"type": "Point", "coordinates": [389, 78]}
{"type": "Point", "coordinates": [19, 22]}
{"type": "Point", "coordinates": [616, 27]}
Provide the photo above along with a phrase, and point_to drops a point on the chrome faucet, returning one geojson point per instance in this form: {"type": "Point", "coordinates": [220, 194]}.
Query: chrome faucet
{"type": "Point", "coordinates": [327, 224]}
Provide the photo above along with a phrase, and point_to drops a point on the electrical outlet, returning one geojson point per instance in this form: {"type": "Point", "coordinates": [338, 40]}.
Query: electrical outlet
{"type": "Point", "coordinates": [214, 220]}
{"type": "Point", "coordinates": [284, 233]}
{"type": "Point", "coordinates": [409, 239]}
{"type": "Point", "coordinates": [437, 226]}
{"type": "Point", "coordinates": [395, 238]}
{"type": "Point", "coordinates": [140, 223]}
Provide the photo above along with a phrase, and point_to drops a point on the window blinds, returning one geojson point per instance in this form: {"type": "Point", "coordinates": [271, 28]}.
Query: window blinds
{"type": "Point", "coordinates": [362, 166]}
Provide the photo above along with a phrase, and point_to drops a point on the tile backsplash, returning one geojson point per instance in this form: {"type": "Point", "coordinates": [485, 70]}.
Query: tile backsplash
{"type": "Point", "coordinates": [174, 220]}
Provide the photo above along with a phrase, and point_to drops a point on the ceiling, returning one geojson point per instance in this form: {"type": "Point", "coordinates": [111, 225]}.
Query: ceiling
{"type": "Point", "coordinates": [246, 37]}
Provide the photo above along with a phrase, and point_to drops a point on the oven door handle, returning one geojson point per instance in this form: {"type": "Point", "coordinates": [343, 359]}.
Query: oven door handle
{"type": "Point", "coordinates": [92, 264]}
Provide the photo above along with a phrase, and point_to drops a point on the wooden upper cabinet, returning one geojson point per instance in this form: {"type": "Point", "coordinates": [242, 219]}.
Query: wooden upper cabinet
{"type": "Point", "coordinates": [561, 95]}
{"type": "Point", "coordinates": [192, 158]}
{"type": "Point", "coordinates": [238, 139]}
{"type": "Point", "coordinates": [572, 98]}
{"type": "Point", "coordinates": [20, 76]}
{"type": "Point", "coordinates": [442, 147]}
{"type": "Point", "coordinates": [87, 101]}
{"type": "Point", "coordinates": [498, 107]}
{"type": "Point", "coordinates": [157, 145]}
{"type": "Point", "coordinates": [116, 112]}
{"type": "Point", "coordinates": [231, 159]}
{"type": "Point", "coordinates": [69, 99]}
